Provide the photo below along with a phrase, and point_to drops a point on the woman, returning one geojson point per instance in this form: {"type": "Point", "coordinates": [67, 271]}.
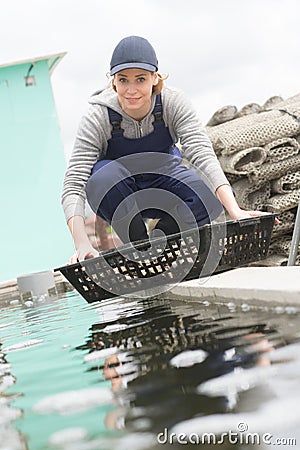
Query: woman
{"type": "Point", "coordinates": [126, 164]}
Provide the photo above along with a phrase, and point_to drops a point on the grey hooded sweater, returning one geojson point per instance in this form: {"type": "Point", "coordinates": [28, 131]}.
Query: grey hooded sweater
{"type": "Point", "coordinates": [95, 130]}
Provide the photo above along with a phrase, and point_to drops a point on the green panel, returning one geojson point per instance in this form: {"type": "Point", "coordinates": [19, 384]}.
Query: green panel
{"type": "Point", "coordinates": [34, 234]}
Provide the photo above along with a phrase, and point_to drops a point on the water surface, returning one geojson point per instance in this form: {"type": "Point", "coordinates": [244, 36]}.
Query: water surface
{"type": "Point", "coordinates": [148, 374]}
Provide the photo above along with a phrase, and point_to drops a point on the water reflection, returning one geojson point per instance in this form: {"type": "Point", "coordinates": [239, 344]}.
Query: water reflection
{"type": "Point", "coordinates": [147, 368]}
{"type": "Point", "coordinates": [9, 437]}
{"type": "Point", "coordinates": [168, 363]}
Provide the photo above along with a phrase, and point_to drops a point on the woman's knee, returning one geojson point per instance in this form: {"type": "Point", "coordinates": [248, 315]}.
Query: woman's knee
{"type": "Point", "coordinates": [105, 175]}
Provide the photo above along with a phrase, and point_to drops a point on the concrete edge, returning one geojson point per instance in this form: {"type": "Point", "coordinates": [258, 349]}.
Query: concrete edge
{"type": "Point", "coordinates": [252, 285]}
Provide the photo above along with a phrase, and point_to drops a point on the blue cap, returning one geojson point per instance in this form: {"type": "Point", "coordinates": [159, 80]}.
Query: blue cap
{"type": "Point", "coordinates": [133, 52]}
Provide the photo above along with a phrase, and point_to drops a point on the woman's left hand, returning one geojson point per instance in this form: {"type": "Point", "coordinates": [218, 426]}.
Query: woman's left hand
{"type": "Point", "coordinates": [244, 214]}
{"type": "Point", "coordinates": [227, 198]}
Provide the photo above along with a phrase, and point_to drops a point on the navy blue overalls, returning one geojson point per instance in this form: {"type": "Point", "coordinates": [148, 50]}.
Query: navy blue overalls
{"type": "Point", "coordinates": [145, 178]}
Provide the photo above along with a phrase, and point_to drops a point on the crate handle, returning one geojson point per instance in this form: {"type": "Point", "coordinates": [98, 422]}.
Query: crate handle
{"type": "Point", "coordinates": [246, 222]}
{"type": "Point", "coordinates": [256, 219]}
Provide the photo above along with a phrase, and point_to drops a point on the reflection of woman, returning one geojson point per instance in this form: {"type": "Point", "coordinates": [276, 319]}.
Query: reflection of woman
{"type": "Point", "coordinates": [126, 146]}
{"type": "Point", "coordinates": [110, 372]}
{"type": "Point", "coordinates": [155, 390]}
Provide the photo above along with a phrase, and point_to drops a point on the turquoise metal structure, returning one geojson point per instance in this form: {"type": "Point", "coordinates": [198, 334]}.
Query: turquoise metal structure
{"type": "Point", "coordinates": [34, 235]}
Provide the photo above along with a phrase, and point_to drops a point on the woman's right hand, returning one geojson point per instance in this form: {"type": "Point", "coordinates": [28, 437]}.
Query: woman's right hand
{"type": "Point", "coordinates": [83, 252]}
{"type": "Point", "coordinates": [84, 249]}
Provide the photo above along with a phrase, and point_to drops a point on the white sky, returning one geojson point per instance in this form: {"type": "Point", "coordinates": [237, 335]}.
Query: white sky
{"type": "Point", "coordinates": [218, 51]}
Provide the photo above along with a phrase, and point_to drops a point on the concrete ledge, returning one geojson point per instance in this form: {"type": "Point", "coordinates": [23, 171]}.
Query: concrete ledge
{"type": "Point", "coordinates": [275, 285]}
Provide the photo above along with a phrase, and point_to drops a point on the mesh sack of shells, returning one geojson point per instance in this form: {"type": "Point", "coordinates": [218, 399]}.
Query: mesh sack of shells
{"type": "Point", "coordinates": [282, 149]}
{"type": "Point", "coordinates": [250, 108]}
{"type": "Point", "coordinates": [255, 130]}
{"type": "Point", "coordinates": [243, 161]}
{"type": "Point", "coordinates": [278, 125]}
{"type": "Point", "coordinates": [281, 245]}
{"type": "Point", "coordinates": [272, 101]}
{"type": "Point", "coordinates": [230, 112]}
{"type": "Point", "coordinates": [287, 183]}
{"type": "Point", "coordinates": [232, 178]}
{"type": "Point", "coordinates": [250, 195]}
{"type": "Point", "coordinates": [283, 202]}
{"type": "Point", "coordinates": [278, 260]}
{"type": "Point", "coordinates": [222, 115]}
{"type": "Point", "coordinates": [286, 223]}
{"type": "Point", "coordinates": [219, 132]}
{"type": "Point", "coordinates": [271, 171]}
{"type": "Point", "coordinates": [240, 123]}
{"type": "Point", "coordinates": [289, 102]}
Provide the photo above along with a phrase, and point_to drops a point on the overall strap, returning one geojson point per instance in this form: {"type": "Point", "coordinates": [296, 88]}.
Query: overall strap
{"type": "Point", "coordinates": [157, 110]}
{"type": "Point", "coordinates": [116, 118]}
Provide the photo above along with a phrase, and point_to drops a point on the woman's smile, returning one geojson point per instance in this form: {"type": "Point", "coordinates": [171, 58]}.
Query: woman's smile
{"type": "Point", "coordinates": [133, 100]}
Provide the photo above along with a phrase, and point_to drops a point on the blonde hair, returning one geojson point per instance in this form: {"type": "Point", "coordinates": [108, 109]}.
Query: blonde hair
{"type": "Point", "coordinates": [158, 88]}
{"type": "Point", "coordinates": [155, 90]}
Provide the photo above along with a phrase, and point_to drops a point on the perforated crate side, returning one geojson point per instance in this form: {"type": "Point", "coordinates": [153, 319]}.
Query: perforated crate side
{"type": "Point", "coordinates": [189, 255]}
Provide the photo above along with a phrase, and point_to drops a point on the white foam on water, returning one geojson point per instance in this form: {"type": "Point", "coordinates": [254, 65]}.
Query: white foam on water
{"type": "Point", "coordinates": [288, 352]}
{"type": "Point", "coordinates": [127, 368]}
{"type": "Point", "coordinates": [135, 441]}
{"type": "Point", "coordinates": [120, 307]}
{"type": "Point", "coordinates": [5, 368]}
{"type": "Point", "coordinates": [188, 358]}
{"type": "Point", "coordinates": [266, 419]}
{"type": "Point", "coordinates": [11, 439]}
{"type": "Point", "coordinates": [72, 402]}
{"type": "Point", "coordinates": [14, 302]}
{"type": "Point", "coordinates": [6, 381]}
{"type": "Point", "coordinates": [279, 414]}
{"type": "Point", "coordinates": [5, 325]}
{"type": "Point", "coordinates": [22, 345]}
{"type": "Point", "coordinates": [115, 327]}
{"type": "Point", "coordinates": [68, 435]}
{"type": "Point", "coordinates": [236, 381]}
{"type": "Point", "coordinates": [7, 413]}
{"type": "Point", "coordinates": [100, 354]}
{"type": "Point", "coordinates": [29, 303]}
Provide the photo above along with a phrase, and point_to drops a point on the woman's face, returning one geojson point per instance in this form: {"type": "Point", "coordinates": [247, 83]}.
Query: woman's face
{"type": "Point", "coordinates": [134, 89]}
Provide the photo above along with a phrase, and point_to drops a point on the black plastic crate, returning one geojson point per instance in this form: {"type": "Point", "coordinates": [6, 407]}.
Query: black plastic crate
{"type": "Point", "coordinates": [184, 256]}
